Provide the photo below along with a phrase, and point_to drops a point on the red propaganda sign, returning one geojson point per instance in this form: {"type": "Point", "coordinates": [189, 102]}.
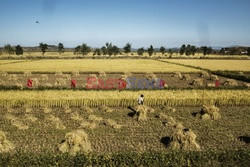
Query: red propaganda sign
{"type": "Point", "coordinates": [217, 83]}
{"type": "Point", "coordinates": [29, 83]}
{"type": "Point", "coordinates": [73, 83]}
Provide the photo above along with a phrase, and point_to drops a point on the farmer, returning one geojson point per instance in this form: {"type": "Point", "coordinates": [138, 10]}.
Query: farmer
{"type": "Point", "coordinates": [140, 99]}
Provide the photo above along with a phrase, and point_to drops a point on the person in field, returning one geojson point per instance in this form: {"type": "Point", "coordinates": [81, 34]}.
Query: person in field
{"type": "Point", "coordinates": [140, 100]}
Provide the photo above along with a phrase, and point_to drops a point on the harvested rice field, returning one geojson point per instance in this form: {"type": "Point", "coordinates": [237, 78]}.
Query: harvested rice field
{"type": "Point", "coordinates": [45, 131]}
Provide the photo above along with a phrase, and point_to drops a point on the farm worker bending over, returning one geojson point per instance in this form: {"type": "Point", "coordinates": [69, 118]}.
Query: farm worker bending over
{"type": "Point", "coordinates": [140, 100]}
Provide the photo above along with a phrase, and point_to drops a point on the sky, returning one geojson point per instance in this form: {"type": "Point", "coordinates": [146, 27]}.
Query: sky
{"type": "Point", "coordinates": [168, 23]}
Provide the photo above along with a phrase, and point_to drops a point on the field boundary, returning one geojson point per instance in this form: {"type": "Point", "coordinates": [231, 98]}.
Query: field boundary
{"type": "Point", "coordinates": [227, 74]}
{"type": "Point", "coordinates": [173, 158]}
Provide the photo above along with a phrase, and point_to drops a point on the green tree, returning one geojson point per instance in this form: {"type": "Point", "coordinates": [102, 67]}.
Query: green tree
{"type": "Point", "coordinates": [162, 50]}
{"type": "Point", "coordinates": [127, 48]}
{"type": "Point", "coordinates": [182, 49]}
{"type": "Point", "coordinates": [193, 50]}
{"type": "Point", "coordinates": [170, 52]}
{"type": "Point", "coordinates": [8, 49]}
{"type": "Point", "coordinates": [110, 49]}
{"type": "Point", "coordinates": [248, 51]}
{"type": "Point", "coordinates": [140, 51]}
{"type": "Point", "coordinates": [97, 52]}
{"type": "Point", "coordinates": [209, 50]}
{"type": "Point", "coordinates": [115, 50]}
{"type": "Point", "coordinates": [85, 49]}
{"type": "Point", "coordinates": [19, 50]}
{"type": "Point", "coordinates": [151, 50]}
{"type": "Point", "coordinates": [204, 50]}
{"type": "Point", "coordinates": [43, 47]}
{"type": "Point", "coordinates": [188, 50]}
{"type": "Point", "coordinates": [77, 49]}
{"type": "Point", "coordinates": [104, 50]}
{"type": "Point", "coordinates": [60, 48]}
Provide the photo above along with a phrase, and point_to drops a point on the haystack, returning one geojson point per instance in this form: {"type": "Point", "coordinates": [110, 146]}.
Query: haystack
{"type": "Point", "coordinates": [129, 74]}
{"type": "Point", "coordinates": [47, 109]}
{"type": "Point", "coordinates": [102, 74]}
{"type": "Point", "coordinates": [94, 118]}
{"type": "Point", "coordinates": [150, 76]}
{"type": "Point", "coordinates": [246, 85]}
{"type": "Point", "coordinates": [55, 122]}
{"type": "Point", "coordinates": [12, 77]}
{"type": "Point", "coordinates": [168, 109]}
{"type": "Point", "coordinates": [186, 77]}
{"type": "Point", "coordinates": [89, 125]}
{"type": "Point", "coordinates": [28, 109]}
{"type": "Point", "coordinates": [105, 109]}
{"type": "Point", "coordinates": [58, 73]}
{"type": "Point", "coordinates": [9, 109]}
{"type": "Point", "coordinates": [197, 82]}
{"type": "Point", "coordinates": [177, 75]}
{"type": "Point", "coordinates": [75, 142]}
{"type": "Point", "coordinates": [214, 77]}
{"type": "Point", "coordinates": [30, 117]}
{"type": "Point", "coordinates": [67, 109]}
{"type": "Point", "coordinates": [112, 123]}
{"type": "Point", "coordinates": [27, 73]}
{"type": "Point", "coordinates": [210, 85]}
{"type": "Point", "coordinates": [209, 112]}
{"type": "Point", "coordinates": [2, 83]}
{"type": "Point", "coordinates": [204, 74]}
{"type": "Point", "coordinates": [19, 85]}
{"type": "Point", "coordinates": [35, 82]}
{"type": "Point", "coordinates": [5, 145]}
{"type": "Point", "coordinates": [124, 77]}
{"type": "Point", "coordinates": [75, 73]}
{"type": "Point", "coordinates": [3, 73]}
{"type": "Point", "coordinates": [182, 138]}
{"type": "Point", "coordinates": [230, 82]}
{"type": "Point", "coordinates": [44, 77]}
{"type": "Point", "coordinates": [19, 124]}
{"type": "Point", "coordinates": [76, 116]}
{"type": "Point", "coordinates": [141, 113]}
{"type": "Point", "coordinates": [93, 76]}
{"type": "Point", "coordinates": [87, 109]}
{"type": "Point", "coordinates": [47, 85]}
{"type": "Point", "coordinates": [60, 82]}
{"type": "Point", "coordinates": [66, 77]}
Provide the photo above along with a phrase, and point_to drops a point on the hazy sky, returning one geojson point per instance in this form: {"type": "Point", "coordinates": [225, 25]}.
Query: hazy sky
{"type": "Point", "coordinates": [168, 23]}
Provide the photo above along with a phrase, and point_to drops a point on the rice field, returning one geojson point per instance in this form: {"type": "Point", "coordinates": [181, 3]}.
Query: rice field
{"type": "Point", "coordinates": [214, 65]}
{"type": "Point", "coordinates": [94, 65]}
{"type": "Point", "coordinates": [53, 119]}
{"type": "Point", "coordinates": [2, 62]}
{"type": "Point", "coordinates": [124, 98]}
{"type": "Point", "coordinates": [38, 132]}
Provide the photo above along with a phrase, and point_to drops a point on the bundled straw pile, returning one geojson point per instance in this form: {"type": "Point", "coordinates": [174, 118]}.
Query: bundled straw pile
{"type": "Point", "coordinates": [75, 142]}
{"type": "Point", "coordinates": [182, 138]}
{"type": "Point", "coordinates": [209, 112]}
{"type": "Point", "coordinates": [5, 145]}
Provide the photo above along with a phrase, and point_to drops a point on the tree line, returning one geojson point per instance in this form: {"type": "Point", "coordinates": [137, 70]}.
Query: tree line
{"type": "Point", "coordinates": [110, 49]}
